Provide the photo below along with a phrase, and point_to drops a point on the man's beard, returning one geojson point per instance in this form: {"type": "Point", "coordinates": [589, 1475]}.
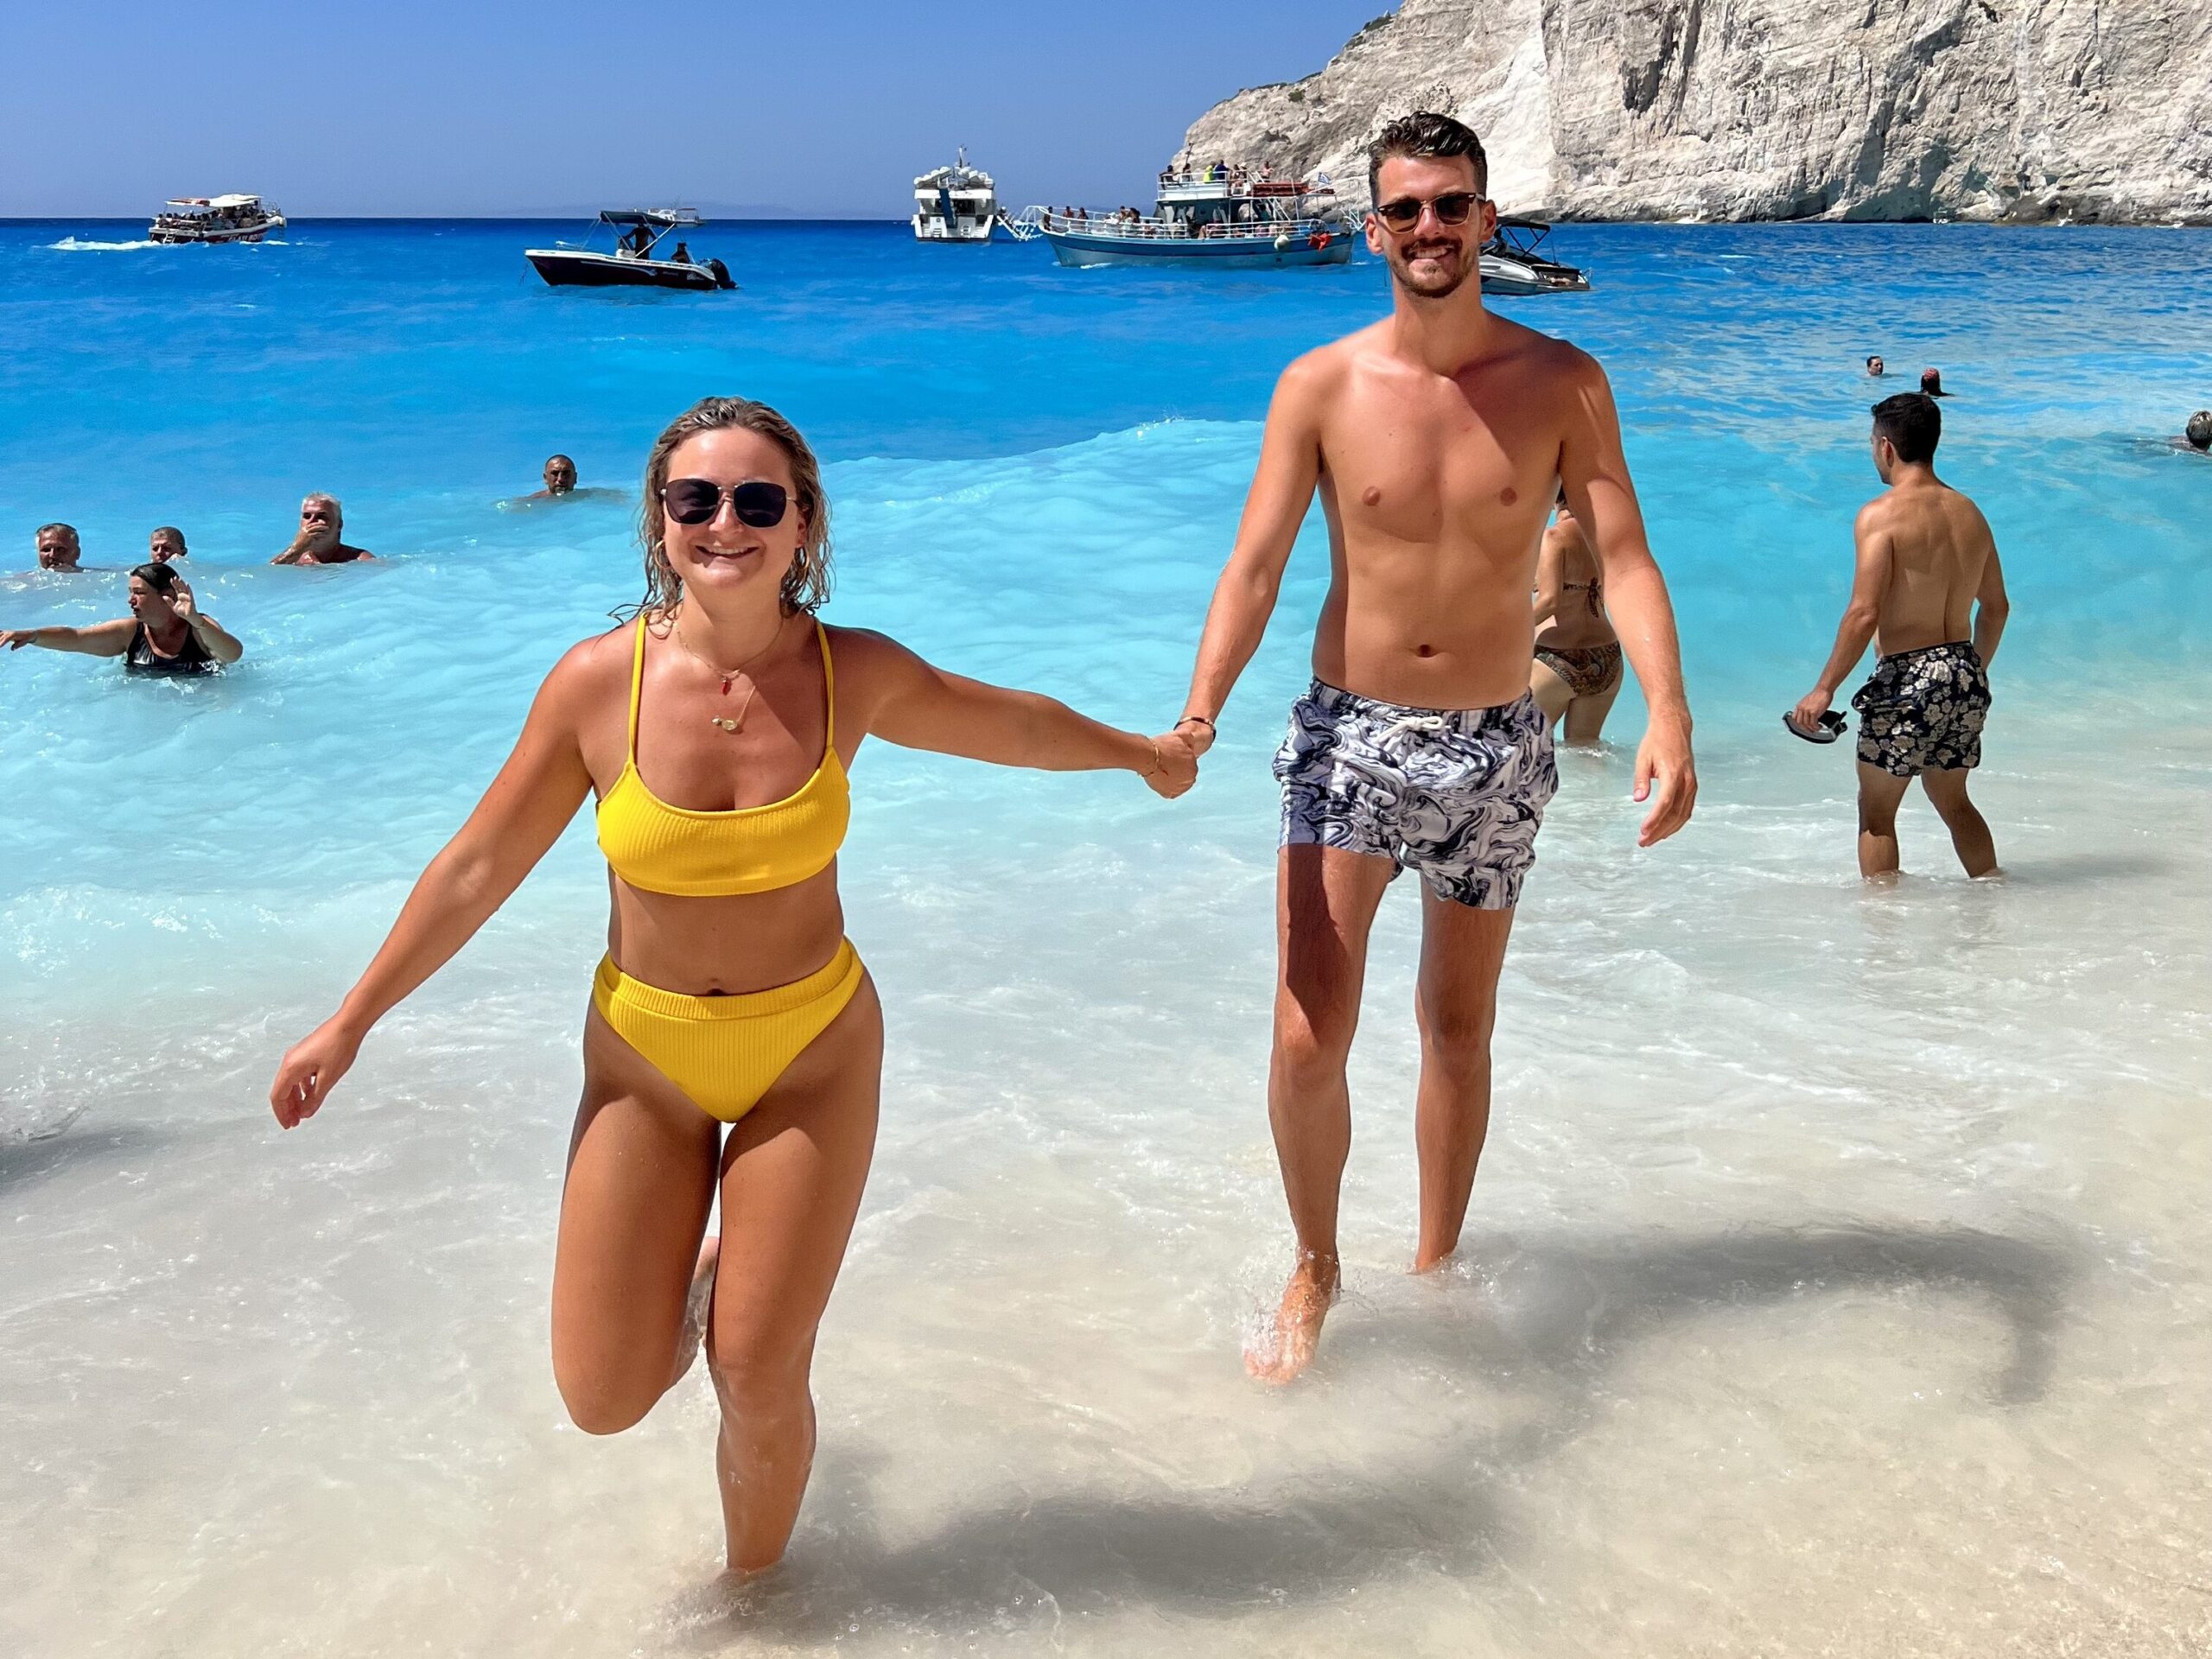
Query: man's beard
{"type": "Point", "coordinates": [1459, 261]}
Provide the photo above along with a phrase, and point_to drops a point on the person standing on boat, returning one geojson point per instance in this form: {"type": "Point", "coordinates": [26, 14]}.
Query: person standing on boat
{"type": "Point", "coordinates": [716, 733]}
{"type": "Point", "coordinates": [1437, 438]}
{"type": "Point", "coordinates": [321, 538]}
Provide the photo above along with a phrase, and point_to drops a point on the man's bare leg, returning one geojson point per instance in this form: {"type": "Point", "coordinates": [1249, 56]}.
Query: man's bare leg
{"type": "Point", "coordinates": [1462, 949]}
{"type": "Point", "coordinates": [1970, 837]}
{"type": "Point", "coordinates": [1325, 902]}
{"type": "Point", "coordinates": [1879, 794]}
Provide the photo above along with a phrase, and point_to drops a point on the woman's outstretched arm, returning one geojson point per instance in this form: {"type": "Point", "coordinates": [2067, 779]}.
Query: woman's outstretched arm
{"type": "Point", "coordinates": [906, 701]}
{"type": "Point", "coordinates": [521, 816]}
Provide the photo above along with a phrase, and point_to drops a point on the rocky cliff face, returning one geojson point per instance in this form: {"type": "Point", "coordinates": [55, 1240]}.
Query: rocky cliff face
{"type": "Point", "coordinates": [2020, 110]}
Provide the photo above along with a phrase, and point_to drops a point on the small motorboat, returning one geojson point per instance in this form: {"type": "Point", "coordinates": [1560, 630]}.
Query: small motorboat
{"type": "Point", "coordinates": [214, 218]}
{"type": "Point", "coordinates": [635, 260]}
{"type": "Point", "coordinates": [1512, 266]}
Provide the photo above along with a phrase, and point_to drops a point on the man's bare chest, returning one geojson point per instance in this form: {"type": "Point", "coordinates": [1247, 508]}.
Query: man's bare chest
{"type": "Point", "coordinates": [1440, 469]}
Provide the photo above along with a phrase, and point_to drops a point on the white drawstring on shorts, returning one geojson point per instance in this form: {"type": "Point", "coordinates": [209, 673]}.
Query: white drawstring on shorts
{"type": "Point", "coordinates": [1403, 723]}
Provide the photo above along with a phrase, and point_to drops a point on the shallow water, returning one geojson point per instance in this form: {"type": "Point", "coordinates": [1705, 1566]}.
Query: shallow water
{"type": "Point", "coordinates": [1836, 1278]}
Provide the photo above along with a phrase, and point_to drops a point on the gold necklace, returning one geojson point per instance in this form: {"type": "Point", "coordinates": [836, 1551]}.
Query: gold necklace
{"type": "Point", "coordinates": [728, 722]}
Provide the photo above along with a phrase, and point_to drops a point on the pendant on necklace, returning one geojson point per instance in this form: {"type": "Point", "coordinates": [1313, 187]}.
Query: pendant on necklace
{"type": "Point", "coordinates": [727, 725]}
{"type": "Point", "coordinates": [725, 680]}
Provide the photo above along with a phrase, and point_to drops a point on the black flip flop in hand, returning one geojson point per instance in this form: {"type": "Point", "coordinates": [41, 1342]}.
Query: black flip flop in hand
{"type": "Point", "coordinates": [1831, 727]}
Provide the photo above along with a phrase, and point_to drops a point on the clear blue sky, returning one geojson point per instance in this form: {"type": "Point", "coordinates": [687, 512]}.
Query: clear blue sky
{"type": "Point", "coordinates": [822, 106]}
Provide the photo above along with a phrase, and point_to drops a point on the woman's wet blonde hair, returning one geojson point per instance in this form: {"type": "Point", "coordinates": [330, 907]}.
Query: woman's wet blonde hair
{"type": "Point", "coordinates": [806, 585]}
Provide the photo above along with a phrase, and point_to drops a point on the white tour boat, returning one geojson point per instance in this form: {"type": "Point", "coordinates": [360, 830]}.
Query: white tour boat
{"type": "Point", "coordinates": [214, 218]}
{"type": "Point", "coordinates": [957, 203]}
{"type": "Point", "coordinates": [1219, 216]}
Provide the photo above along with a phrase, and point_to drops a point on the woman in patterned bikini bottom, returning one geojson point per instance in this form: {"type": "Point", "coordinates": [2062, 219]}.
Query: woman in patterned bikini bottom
{"type": "Point", "coordinates": [1577, 672]}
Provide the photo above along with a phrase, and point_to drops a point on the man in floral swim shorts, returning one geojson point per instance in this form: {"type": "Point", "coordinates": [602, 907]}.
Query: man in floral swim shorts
{"type": "Point", "coordinates": [1927, 565]}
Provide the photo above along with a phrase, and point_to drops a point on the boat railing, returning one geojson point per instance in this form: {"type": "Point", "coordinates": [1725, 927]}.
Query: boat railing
{"type": "Point", "coordinates": [1034, 220]}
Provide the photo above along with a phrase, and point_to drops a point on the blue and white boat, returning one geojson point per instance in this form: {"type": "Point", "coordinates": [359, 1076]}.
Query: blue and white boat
{"type": "Point", "coordinates": [1216, 216]}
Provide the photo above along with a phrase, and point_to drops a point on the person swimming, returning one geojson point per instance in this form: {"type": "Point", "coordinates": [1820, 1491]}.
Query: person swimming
{"type": "Point", "coordinates": [1931, 383]}
{"type": "Point", "coordinates": [166, 543]}
{"type": "Point", "coordinates": [321, 538]}
{"type": "Point", "coordinates": [2198, 434]}
{"type": "Point", "coordinates": [1577, 672]}
{"type": "Point", "coordinates": [734, 1039]}
{"type": "Point", "coordinates": [165, 633]}
{"type": "Point", "coordinates": [59, 549]}
{"type": "Point", "coordinates": [1874, 368]}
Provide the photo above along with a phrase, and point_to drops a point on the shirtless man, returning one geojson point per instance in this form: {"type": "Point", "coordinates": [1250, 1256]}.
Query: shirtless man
{"type": "Point", "coordinates": [560, 475]}
{"type": "Point", "coordinates": [322, 522]}
{"type": "Point", "coordinates": [58, 548]}
{"type": "Point", "coordinates": [1927, 564]}
{"type": "Point", "coordinates": [166, 544]}
{"type": "Point", "coordinates": [1437, 439]}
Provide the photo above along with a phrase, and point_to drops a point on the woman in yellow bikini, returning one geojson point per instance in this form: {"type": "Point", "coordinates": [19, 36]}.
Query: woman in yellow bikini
{"type": "Point", "coordinates": [715, 732]}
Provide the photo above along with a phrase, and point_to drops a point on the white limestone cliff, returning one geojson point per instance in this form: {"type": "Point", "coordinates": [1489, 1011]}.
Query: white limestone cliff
{"type": "Point", "coordinates": [2018, 110]}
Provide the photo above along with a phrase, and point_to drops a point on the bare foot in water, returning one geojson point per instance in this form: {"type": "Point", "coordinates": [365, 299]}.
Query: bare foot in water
{"type": "Point", "coordinates": [1305, 1302]}
{"type": "Point", "coordinates": [697, 1303]}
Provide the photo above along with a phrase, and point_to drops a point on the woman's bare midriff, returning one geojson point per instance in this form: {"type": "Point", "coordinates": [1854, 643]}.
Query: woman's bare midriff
{"type": "Point", "coordinates": [725, 946]}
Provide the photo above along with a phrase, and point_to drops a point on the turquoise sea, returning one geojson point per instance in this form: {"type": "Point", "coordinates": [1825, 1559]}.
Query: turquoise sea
{"type": "Point", "coordinates": [1837, 1277]}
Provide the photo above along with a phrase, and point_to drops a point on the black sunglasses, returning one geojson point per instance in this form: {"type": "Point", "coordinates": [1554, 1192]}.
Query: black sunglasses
{"type": "Point", "coordinates": [697, 500]}
{"type": "Point", "coordinates": [1451, 208]}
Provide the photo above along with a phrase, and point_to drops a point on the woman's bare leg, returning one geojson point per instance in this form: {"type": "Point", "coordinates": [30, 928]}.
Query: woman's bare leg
{"type": "Point", "coordinates": [793, 1174]}
{"type": "Point", "coordinates": [1552, 693]}
{"type": "Point", "coordinates": [641, 1181]}
{"type": "Point", "coordinates": [1586, 717]}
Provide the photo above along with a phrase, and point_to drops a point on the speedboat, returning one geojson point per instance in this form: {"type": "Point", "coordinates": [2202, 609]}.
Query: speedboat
{"type": "Point", "coordinates": [214, 218]}
{"type": "Point", "coordinates": [955, 204]}
{"type": "Point", "coordinates": [1512, 266]}
{"type": "Point", "coordinates": [634, 262]}
{"type": "Point", "coordinates": [1218, 216]}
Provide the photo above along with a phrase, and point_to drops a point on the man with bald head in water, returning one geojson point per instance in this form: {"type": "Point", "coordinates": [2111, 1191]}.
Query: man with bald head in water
{"type": "Point", "coordinates": [1437, 439]}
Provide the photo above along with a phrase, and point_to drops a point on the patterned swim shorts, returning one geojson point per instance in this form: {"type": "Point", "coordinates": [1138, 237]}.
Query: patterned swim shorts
{"type": "Point", "coordinates": [1454, 794]}
{"type": "Point", "coordinates": [1923, 710]}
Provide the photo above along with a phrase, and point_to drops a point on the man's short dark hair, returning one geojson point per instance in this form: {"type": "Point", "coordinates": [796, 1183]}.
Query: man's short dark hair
{"type": "Point", "coordinates": [1431, 136]}
{"type": "Point", "coordinates": [1912, 423]}
{"type": "Point", "coordinates": [157, 576]}
{"type": "Point", "coordinates": [70, 530]}
{"type": "Point", "coordinates": [2199, 430]}
{"type": "Point", "coordinates": [169, 530]}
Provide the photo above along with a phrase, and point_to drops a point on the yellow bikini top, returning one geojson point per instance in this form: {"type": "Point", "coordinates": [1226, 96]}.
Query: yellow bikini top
{"type": "Point", "coordinates": [664, 849]}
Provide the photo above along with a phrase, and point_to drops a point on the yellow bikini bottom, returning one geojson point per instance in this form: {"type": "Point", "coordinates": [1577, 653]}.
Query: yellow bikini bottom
{"type": "Point", "coordinates": [724, 1052]}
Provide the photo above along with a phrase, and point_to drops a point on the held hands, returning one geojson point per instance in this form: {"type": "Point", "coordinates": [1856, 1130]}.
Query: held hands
{"type": "Point", "coordinates": [1175, 764]}
{"type": "Point", "coordinates": [1665, 753]}
{"type": "Point", "coordinates": [310, 1070]}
